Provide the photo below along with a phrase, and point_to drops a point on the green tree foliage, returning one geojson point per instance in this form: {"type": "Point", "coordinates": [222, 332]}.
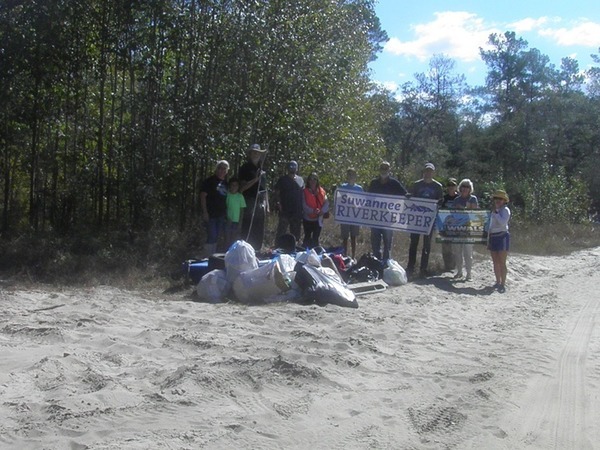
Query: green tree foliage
{"type": "Point", "coordinates": [112, 111]}
{"type": "Point", "coordinates": [426, 123]}
{"type": "Point", "coordinates": [528, 117]}
{"type": "Point", "coordinates": [554, 198]}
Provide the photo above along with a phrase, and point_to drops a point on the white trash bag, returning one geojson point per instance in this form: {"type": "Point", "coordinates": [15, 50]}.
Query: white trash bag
{"type": "Point", "coordinates": [286, 263]}
{"type": "Point", "coordinates": [309, 257]}
{"type": "Point", "coordinates": [213, 286]}
{"type": "Point", "coordinates": [239, 258]}
{"type": "Point", "coordinates": [254, 286]}
{"type": "Point", "coordinates": [394, 274]}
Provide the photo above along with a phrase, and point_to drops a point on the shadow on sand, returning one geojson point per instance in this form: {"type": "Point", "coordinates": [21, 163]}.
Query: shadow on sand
{"type": "Point", "coordinates": [454, 286]}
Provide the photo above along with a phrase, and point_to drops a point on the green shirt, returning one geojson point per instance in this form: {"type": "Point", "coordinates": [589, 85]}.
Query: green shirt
{"type": "Point", "coordinates": [235, 204]}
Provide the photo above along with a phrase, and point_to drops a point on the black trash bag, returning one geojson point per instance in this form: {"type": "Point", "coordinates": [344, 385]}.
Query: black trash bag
{"type": "Point", "coordinates": [372, 262]}
{"type": "Point", "coordinates": [361, 275]}
{"type": "Point", "coordinates": [321, 288]}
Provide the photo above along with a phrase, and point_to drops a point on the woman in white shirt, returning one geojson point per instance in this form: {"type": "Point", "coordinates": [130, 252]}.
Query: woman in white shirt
{"type": "Point", "coordinates": [499, 237]}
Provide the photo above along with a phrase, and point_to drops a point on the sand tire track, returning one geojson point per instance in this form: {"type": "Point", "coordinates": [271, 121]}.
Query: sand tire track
{"type": "Point", "coordinates": [556, 411]}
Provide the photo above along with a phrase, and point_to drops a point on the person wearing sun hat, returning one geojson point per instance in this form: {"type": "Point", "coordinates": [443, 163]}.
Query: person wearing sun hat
{"type": "Point", "coordinates": [253, 184]}
{"type": "Point", "coordinates": [499, 237]}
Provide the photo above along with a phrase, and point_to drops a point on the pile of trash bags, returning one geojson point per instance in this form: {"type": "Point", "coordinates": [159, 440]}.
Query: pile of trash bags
{"type": "Point", "coordinates": [305, 277]}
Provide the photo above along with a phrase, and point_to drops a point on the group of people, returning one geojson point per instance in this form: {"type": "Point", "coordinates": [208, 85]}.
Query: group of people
{"type": "Point", "coordinates": [456, 255]}
{"type": "Point", "coordinates": [237, 208]}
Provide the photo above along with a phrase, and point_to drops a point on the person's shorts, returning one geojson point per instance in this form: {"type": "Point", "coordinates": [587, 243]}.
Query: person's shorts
{"type": "Point", "coordinates": [499, 242]}
{"type": "Point", "coordinates": [349, 230]}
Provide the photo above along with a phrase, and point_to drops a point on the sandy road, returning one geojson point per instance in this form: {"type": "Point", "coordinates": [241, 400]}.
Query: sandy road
{"type": "Point", "coordinates": [558, 409]}
{"type": "Point", "coordinates": [434, 364]}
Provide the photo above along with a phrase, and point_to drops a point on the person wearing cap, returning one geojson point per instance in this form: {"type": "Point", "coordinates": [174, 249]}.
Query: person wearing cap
{"type": "Point", "coordinates": [349, 230]}
{"type": "Point", "coordinates": [429, 188]}
{"type": "Point", "coordinates": [448, 203]}
{"type": "Point", "coordinates": [464, 251]}
{"type": "Point", "coordinates": [384, 184]}
{"type": "Point", "coordinates": [499, 237]}
{"type": "Point", "coordinates": [288, 201]}
{"type": "Point", "coordinates": [253, 185]}
{"type": "Point", "coordinates": [213, 203]}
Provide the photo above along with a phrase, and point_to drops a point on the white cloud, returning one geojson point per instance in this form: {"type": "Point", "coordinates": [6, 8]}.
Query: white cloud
{"type": "Point", "coordinates": [391, 86]}
{"type": "Point", "coordinates": [456, 34]}
{"type": "Point", "coordinates": [460, 34]}
{"type": "Point", "coordinates": [529, 24]}
{"type": "Point", "coordinates": [585, 33]}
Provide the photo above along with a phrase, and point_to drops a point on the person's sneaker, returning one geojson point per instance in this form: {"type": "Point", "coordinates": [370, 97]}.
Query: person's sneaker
{"type": "Point", "coordinates": [496, 286]}
{"type": "Point", "coordinates": [501, 289]}
{"type": "Point", "coordinates": [458, 275]}
{"type": "Point", "coordinates": [468, 277]}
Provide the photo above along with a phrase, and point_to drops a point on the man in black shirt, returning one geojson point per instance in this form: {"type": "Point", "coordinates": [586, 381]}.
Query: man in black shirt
{"type": "Point", "coordinates": [384, 184]}
{"type": "Point", "coordinates": [253, 184]}
{"type": "Point", "coordinates": [213, 202]}
{"type": "Point", "coordinates": [429, 188]}
{"type": "Point", "coordinates": [288, 197]}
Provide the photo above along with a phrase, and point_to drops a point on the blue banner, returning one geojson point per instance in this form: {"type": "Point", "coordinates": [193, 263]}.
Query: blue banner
{"type": "Point", "coordinates": [462, 226]}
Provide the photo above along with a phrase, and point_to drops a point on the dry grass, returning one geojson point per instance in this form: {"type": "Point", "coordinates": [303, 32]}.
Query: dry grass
{"type": "Point", "coordinates": [553, 239]}
{"type": "Point", "coordinates": [152, 259]}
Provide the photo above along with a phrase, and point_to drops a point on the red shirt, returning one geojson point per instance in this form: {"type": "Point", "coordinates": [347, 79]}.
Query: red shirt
{"type": "Point", "coordinates": [314, 201]}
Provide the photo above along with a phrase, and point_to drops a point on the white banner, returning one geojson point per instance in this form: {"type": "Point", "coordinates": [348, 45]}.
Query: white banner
{"type": "Point", "coordinates": [411, 215]}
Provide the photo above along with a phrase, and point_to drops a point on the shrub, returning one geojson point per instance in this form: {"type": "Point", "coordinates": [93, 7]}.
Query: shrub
{"type": "Point", "coordinates": [553, 198]}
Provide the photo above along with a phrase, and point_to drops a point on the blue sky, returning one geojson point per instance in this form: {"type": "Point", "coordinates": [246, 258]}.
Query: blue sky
{"type": "Point", "coordinates": [457, 28]}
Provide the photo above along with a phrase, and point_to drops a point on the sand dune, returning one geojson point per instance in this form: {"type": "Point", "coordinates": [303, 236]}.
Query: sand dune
{"type": "Point", "coordinates": [433, 364]}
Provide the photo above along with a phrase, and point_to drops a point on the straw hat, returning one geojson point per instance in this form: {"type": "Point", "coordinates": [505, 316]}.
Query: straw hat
{"type": "Point", "coordinates": [501, 195]}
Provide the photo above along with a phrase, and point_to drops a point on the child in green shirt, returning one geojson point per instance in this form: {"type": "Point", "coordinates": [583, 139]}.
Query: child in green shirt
{"type": "Point", "coordinates": [235, 205]}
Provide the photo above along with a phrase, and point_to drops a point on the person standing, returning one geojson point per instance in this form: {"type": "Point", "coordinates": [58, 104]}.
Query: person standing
{"type": "Point", "coordinates": [464, 251]}
{"type": "Point", "coordinates": [499, 237]}
{"type": "Point", "coordinates": [253, 185]}
{"type": "Point", "coordinates": [213, 202]}
{"type": "Point", "coordinates": [448, 203]}
{"type": "Point", "coordinates": [349, 230]}
{"type": "Point", "coordinates": [315, 206]}
{"type": "Point", "coordinates": [288, 200]}
{"type": "Point", "coordinates": [429, 188]}
{"type": "Point", "coordinates": [384, 184]}
{"type": "Point", "coordinates": [235, 207]}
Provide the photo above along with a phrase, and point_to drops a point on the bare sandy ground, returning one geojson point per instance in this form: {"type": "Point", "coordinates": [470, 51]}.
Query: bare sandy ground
{"type": "Point", "coordinates": [434, 364]}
